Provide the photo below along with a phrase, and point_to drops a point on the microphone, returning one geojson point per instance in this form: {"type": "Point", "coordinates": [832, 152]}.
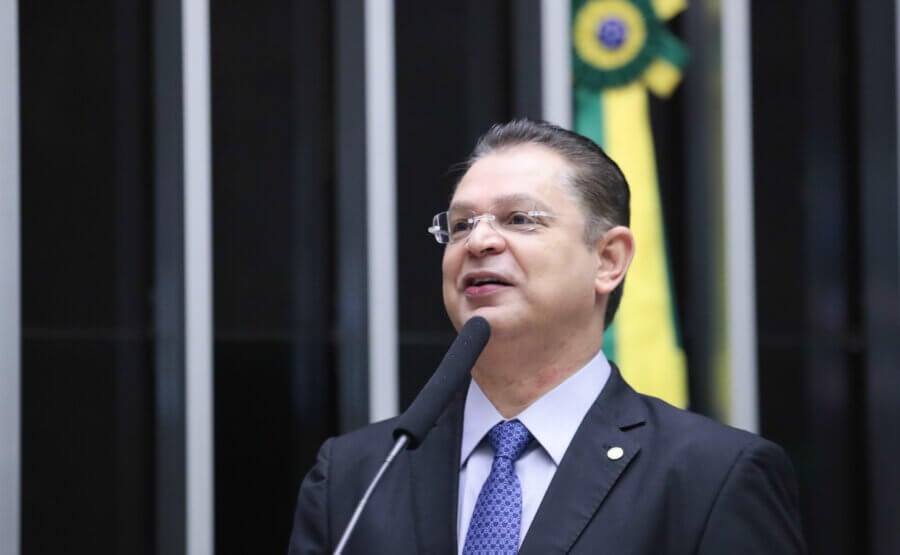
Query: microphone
{"type": "Point", "coordinates": [412, 426]}
{"type": "Point", "coordinates": [451, 374]}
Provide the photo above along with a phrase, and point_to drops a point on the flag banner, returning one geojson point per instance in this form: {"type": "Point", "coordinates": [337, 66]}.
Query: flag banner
{"type": "Point", "coordinates": [621, 52]}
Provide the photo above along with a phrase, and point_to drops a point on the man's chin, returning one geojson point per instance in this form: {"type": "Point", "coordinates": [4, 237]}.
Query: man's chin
{"type": "Point", "coordinates": [460, 318]}
{"type": "Point", "coordinates": [502, 322]}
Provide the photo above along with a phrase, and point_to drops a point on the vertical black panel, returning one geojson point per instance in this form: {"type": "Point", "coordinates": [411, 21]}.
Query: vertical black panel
{"type": "Point", "coordinates": [810, 391]}
{"type": "Point", "coordinates": [880, 220]}
{"type": "Point", "coordinates": [273, 293]}
{"type": "Point", "coordinates": [352, 324]}
{"type": "Point", "coordinates": [485, 43]}
{"type": "Point", "coordinates": [135, 518]}
{"type": "Point", "coordinates": [526, 74]}
{"type": "Point", "coordinates": [312, 228]}
{"type": "Point", "coordinates": [453, 66]}
{"type": "Point", "coordinates": [252, 290]}
{"type": "Point", "coordinates": [168, 175]}
{"type": "Point", "coordinates": [87, 376]}
{"type": "Point", "coordinates": [827, 440]}
{"type": "Point", "coordinates": [779, 207]}
{"type": "Point", "coordinates": [779, 222]}
{"type": "Point", "coordinates": [702, 200]}
{"type": "Point", "coordinates": [779, 213]}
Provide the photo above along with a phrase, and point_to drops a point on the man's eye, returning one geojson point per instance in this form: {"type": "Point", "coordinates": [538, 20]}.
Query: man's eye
{"type": "Point", "coordinates": [459, 226]}
{"type": "Point", "coordinates": [521, 219]}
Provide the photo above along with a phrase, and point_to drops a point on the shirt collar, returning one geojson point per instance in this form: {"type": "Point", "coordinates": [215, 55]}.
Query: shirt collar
{"type": "Point", "coordinates": [552, 420]}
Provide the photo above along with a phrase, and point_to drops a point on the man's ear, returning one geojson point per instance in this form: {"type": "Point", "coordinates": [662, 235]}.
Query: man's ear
{"type": "Point", "coordinates": [614, 253]}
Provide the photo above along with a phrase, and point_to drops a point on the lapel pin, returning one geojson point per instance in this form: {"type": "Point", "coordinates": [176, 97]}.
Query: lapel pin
{"type": "Point", "coordinates": [615, 453]}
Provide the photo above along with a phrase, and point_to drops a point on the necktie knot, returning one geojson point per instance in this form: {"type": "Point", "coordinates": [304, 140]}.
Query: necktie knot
{"type": "Point", "coordinates": [509, 439]}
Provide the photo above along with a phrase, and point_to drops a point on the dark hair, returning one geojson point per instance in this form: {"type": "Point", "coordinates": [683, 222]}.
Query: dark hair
{"type": "Point", "coordinates": [595, 179]}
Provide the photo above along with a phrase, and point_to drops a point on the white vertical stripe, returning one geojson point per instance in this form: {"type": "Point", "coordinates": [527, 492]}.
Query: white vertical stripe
{"type": "Point", "coordinates": [738, 210]}
{"type": "Point", "coordinates": [198, 277]}
{"type": "Point", "coordinates": [381, 208]}
{"type": "Point", "coordinates": [556, 62]}
{"type": "Point", "coordinates": [897, 90]}
{"type": "Point", "coordinates": [10, 317]}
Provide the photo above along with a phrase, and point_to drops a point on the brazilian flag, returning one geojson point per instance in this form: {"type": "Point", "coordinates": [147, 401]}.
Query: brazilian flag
{"type": "Point", "coordinates": [621, 52]}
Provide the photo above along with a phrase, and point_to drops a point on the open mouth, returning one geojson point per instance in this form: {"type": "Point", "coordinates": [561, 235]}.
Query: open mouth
{"type": "Point", "coordinates": [485, 281]}
{"type": "Point", "coordinates": [483, 284]}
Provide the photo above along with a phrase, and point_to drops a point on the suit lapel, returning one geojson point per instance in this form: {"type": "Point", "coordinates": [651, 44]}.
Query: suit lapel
{"type": "Point", "coordinates": [588, 471]}
{"type": "Point", "coordinates": [434, 469]}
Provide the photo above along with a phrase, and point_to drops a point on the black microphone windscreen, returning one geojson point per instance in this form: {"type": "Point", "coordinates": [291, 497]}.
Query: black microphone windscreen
{"type": "Point", "coordinates": [451, 374]}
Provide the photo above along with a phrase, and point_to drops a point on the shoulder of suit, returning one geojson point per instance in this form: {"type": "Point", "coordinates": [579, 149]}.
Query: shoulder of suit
{"type": "Point", "coordinates": [370, 443]}
{"type": "Point", "coordinates": [700, 435]}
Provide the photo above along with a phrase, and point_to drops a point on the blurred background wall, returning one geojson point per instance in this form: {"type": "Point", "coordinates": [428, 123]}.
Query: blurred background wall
{"type": "Point", "coordinates": [213, 251]}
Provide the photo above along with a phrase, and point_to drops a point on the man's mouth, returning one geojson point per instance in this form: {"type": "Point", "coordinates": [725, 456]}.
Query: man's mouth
{"type": "Point", "coordinates": [484, 281]}
{"type": "Point", "coordinates": [477, 285]}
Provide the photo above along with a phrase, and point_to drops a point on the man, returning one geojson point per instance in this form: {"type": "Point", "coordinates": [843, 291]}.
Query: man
{"type": "Point", "coordinates": [549, 450]}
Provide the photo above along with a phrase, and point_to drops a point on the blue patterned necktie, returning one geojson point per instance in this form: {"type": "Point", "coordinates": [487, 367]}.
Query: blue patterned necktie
{"type": "Point", "coordinates": [497, 517]}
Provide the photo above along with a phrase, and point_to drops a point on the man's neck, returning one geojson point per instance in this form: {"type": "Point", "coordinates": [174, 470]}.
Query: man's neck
{"type": "Point", "coordinates": [514, 376]}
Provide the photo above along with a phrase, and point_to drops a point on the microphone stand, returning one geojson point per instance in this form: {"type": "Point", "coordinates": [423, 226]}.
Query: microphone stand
{"type": "Point", "coordinates": [345, 537]}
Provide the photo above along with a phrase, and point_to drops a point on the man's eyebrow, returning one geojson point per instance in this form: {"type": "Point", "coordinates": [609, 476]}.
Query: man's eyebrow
{"type": "Point", "coordinates": [505, 199]}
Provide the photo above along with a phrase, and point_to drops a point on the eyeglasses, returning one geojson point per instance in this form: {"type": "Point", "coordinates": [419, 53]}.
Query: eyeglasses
{"type": "Point", "coordinates": [451, 227]}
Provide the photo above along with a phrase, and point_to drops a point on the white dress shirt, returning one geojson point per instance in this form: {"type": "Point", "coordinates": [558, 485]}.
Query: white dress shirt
{"type": "Point", "coordinates": [552, 420]}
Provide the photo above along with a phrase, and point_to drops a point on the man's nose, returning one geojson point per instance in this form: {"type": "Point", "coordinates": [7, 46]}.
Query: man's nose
{"type": "Point", "coordinates": [484, 237]}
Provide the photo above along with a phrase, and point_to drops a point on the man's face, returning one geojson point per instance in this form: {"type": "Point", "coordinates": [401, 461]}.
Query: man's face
{"type": "Point", "coordinates": [524, 283]}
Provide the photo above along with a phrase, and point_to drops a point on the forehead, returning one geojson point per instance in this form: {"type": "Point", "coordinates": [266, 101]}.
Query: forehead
{"type": "Point", "coordinates": [520, 172]}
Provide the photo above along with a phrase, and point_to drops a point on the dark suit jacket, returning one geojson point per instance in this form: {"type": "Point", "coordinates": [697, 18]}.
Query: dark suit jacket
{"type": "Point", "coordinates": [684, 485]}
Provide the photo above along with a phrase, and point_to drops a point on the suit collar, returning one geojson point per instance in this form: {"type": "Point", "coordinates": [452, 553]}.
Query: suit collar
{"type": "Point", "coordinates": [621, 402]}
{"type": "Point", "coordinates": [589, 469]}
{"type": "Point", "coordinates": [552, 419]}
